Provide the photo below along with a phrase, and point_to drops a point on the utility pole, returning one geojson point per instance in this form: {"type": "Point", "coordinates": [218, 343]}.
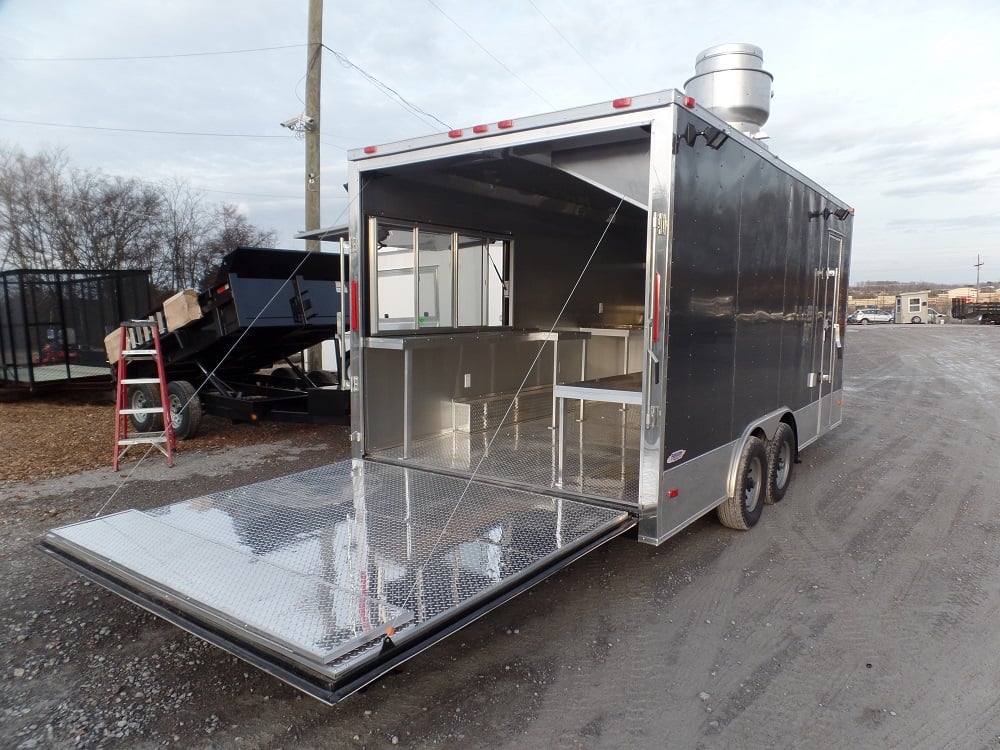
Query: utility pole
{"type": "Point", "coordinates": [314, 59]}
{"type": "Point", "coordinates": [979, 264]}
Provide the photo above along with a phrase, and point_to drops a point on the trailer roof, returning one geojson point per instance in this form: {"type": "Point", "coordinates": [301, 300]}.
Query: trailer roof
{"type": "Point", "coordinates": [483, 130]}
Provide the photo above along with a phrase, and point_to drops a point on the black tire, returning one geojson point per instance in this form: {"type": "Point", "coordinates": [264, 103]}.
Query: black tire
{"type": "Point", "coordinates": [323, 377]}
{"type": "Point", "coordinates": [145, 397]}
{"type": "Point", "coordinates": [285, 377]}
{"type": "Point", "coordinates": [916, 319]}
{"type": "Point", "coordinates": [743, 509]}
{"type": "Point", "coordinates": [185, 409]}
{"type": "Point", "coordinates": [780, 460]}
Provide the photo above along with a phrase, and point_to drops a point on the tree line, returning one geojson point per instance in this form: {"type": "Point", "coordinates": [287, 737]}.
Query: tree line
{"type": "Point", "coordinates": [55, 216]}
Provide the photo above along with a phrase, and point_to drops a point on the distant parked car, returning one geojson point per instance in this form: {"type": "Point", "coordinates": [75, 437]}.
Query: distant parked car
{"type": "Point", "coordinates": [868, 315]}
{"type": "Point", "coordinates": [933, 316]}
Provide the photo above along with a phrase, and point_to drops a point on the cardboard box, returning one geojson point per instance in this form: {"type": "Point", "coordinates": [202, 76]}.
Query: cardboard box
{"type": "Point", "coordinates": [113, 345]}
{"type": "Point", "coordinates": [181, 309]}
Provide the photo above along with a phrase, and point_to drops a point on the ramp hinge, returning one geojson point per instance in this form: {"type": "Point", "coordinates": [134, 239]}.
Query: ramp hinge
{"type": "Point", "coordinates": [660, 223]}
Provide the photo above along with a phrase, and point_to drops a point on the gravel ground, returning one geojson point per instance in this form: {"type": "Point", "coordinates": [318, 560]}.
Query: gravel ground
{"type": "Point", "coordinates": [861, 612]}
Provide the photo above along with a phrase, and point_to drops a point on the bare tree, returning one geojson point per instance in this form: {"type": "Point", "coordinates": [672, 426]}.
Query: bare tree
{"type": "Point", "coordinates": [230, 229]}
{"type": "Point", "coordinates": [54, 217]}
{"type": "Point", "coordinates": [29, 187]}
{"type": "Point", "coordinates": [182, 226]}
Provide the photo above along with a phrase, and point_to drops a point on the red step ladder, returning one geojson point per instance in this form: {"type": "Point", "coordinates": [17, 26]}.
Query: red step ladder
{"type": "Point", "coordinates": [140, 340]}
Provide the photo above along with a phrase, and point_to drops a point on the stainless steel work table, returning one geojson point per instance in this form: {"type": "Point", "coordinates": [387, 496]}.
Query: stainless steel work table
{"type": "Point", "coordinates": [407, 344]}
{"type": "Point", "coordinates": [617, 389]}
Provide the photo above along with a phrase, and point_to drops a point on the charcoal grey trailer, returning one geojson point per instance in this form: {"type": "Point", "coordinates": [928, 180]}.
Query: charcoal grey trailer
{"type": "Point", "coordinates": [564, 327]}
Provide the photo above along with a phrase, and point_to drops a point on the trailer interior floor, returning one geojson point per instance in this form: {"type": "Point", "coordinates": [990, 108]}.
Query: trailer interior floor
{"type": "Point", "coordinates": [601, 453]}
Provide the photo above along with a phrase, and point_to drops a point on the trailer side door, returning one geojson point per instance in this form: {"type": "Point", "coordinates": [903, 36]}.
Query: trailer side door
{"type": "Point", "coordinates": [830, 342]}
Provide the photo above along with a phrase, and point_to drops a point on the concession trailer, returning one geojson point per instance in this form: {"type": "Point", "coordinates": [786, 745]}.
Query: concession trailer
{"type": "Point", "coordinates": [565, 327]}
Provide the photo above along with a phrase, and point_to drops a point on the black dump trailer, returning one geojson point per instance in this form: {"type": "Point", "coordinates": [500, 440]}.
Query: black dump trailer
{"type": "Point", "coordinates": [53, 323]}
{"type": "Point", "coordinates": [264, 306]}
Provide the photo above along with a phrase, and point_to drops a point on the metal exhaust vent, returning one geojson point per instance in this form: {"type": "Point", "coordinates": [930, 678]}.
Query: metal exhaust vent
{"type": "Point", "coordinates": [731, 82]}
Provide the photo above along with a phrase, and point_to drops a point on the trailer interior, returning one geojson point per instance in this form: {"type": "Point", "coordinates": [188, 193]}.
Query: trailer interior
{"type": "Point", "coordinates": [510, 245]}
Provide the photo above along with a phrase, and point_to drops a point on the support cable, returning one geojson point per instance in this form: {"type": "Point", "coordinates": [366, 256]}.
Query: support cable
{"type": "Point", "coordinates": [510, 406]}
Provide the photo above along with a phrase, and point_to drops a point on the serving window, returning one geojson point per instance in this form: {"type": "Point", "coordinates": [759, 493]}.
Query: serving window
{"type": "Point", "coordinates": [433, 277]}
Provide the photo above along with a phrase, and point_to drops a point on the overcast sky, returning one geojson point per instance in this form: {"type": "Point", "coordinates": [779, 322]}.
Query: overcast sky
{"type": "Point", "coordinates": [890, 105]}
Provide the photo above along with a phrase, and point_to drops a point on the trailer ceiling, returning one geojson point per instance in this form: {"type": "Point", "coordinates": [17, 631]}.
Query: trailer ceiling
{"type": "Point", "coordinates": [583, 176]}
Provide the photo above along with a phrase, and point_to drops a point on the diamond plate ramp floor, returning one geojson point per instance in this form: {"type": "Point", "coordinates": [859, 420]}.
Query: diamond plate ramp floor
{"type": "Point", "coordinates": [320, 565]}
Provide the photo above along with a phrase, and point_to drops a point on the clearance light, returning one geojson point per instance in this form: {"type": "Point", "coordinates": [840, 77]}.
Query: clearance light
{"type": "Point", "coordinates": [656, 309]}
{"type": "Point", "coordinates": [625, 101]}
{"type": "Point", "coordinates": [390, 631]}
{"type": "Point", "coordinates": [689, 102]}
{"type": "Point", "coordinates": [480, 128]}
{"type": "Point", "coordinates": [254, 417]}
{"type": "Point", "coordinates": [454, 133]}
{"type": "Point", "coordinates": [371, 149]}
{"type": "Point", "coordinates": [673, 493]}
{"type": "Point", "coordinates": [505, 124]}
{"type": "Point", "coordinates": [354, 306]}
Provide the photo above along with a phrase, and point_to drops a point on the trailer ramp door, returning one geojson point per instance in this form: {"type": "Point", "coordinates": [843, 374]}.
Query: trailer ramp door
{"type": "Point", "coordinates": [330, 577]}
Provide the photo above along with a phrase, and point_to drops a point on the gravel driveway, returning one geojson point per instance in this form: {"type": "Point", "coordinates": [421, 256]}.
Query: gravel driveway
{"type": "Point", "coordinates": [861, 612]}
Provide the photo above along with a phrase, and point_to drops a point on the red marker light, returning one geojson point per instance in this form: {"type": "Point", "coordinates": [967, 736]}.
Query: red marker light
{"type": "Point", "coordinates": [625, 101]}
{"type": "Point", "coordinates": [354, 305]}
{"type": "Point", "coordinates": [505, 124]}
{"type": "Point", "coordinates": [480, 128]}
{"type": "Point", "coordinates": [673, 493]}
{"type": "Point", "coordinates": [454, 133]}
{"type": "Point", "coordinates": [689, 102]}
{"type": "Point", "coordinates": [371, 149]}
{"type": "Point", "coordinates": [656, 309]}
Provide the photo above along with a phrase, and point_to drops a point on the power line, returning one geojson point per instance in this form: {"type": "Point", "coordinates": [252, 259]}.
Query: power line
{"type": "Point", "coordinates": [388, 90]}
{"type": "Point", "coordinates": [138, 130]}
{"type": "Point", "coordinates": [150, 57]}
{"type": "Point", "coordinates": [496, 59]}
{"type": "Point", "coordinates": [571, 45]}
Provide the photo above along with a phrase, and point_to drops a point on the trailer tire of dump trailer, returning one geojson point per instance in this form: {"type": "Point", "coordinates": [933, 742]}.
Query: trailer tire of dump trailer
{"type": "Point", "coordinates": [742, 509]}
{"type": "Point", "coordinates": [323, 377]}
{"type": "Point", "coordinates": [185, 408]}
{"type": "Point", "coordinates": [145, 397]}
{"type": "Point", "coordinates": [780, 460]}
